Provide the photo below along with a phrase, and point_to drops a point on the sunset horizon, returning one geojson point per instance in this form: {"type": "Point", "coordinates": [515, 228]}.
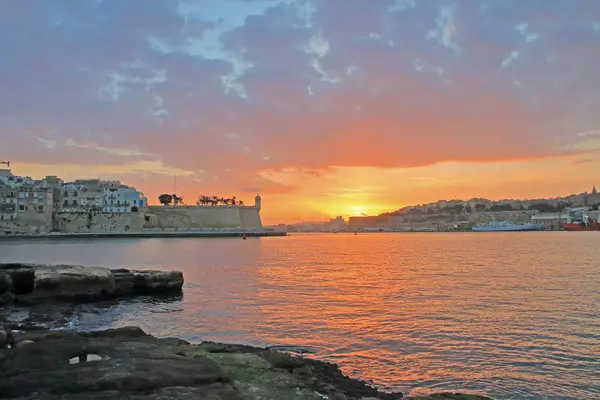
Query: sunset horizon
{"type": "Point", "coordinates": [325, 108]}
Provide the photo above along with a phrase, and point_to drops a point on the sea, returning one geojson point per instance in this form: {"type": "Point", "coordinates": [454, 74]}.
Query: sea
{"type": "Point", "coordinates": [508, 315]}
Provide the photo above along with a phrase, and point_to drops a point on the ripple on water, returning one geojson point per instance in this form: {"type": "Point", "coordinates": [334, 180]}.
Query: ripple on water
{"type": "Point", "coordinates": [513, 316]}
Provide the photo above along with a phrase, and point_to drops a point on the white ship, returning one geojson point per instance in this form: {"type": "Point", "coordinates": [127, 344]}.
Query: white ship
{"type": "Point", "coordinates": [505, 226]}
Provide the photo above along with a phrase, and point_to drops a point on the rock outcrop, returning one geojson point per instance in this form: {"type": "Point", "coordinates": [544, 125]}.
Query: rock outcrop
{"type": "Point", "coordinates": [31, 283]}
{"type": "Point", "coordinates": [128, 364]}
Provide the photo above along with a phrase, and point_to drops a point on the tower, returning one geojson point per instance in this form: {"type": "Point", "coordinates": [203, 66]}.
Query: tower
{"type": "Point", "coordinates": [257, 202]}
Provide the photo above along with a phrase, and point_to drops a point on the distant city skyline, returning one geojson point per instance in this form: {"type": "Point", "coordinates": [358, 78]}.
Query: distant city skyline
{"type": "Point", "coordinates": [326, 108]}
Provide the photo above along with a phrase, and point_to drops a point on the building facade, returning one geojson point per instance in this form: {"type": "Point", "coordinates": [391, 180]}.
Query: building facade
{"type": "Point", "coordinates": [123, 200]}
{"type": "Point", "coordinates": [549, 221]}
{"type": "Point", "coordinates": [34, 206]}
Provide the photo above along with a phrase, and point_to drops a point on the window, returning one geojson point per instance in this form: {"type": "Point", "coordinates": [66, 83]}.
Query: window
{"type": "Point", "coordinates": [22, 195]}
{"type": "Point", "coordinates": [41, 208]}
{"type": "Point", "coordinates": [66, 194]}
{"type": "Point", "coordinates": [21, 207]}
{"type": "Point", "coordinates": [74, 194]}
{"type": "Point", "coordinates": [66, 203]}
{"type": "Point", "coordinates": [74, 202]}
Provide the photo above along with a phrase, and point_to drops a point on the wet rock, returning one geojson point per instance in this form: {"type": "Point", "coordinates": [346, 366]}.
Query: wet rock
{"type": "Point", "coordinates": [33, 284]}
{"type": "Point", "coordinates": [139, 282]}
{"type": "Point", "coordinates": [7, 337]}
{"type": "Point", "coordinates": [6, 289]}
{"type": "Point", "coordinates": [24, 343]}
{"type": "Point", "coordinates": [128, 364]}
{"type": "Point", "coordinates": [450, 396]}
{"type": "Point", "coordinates": [129, 368]}
{"type": "Point", "coordinates": [157, 281]}
{"type": "Point", "coordinates": [52, 315]}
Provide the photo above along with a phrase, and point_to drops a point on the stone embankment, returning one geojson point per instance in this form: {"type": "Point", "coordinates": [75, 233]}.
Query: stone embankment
{"type": "Point", "coordinates": [128, 364]}
{"type": "Point", "coordinates": [34, 284]}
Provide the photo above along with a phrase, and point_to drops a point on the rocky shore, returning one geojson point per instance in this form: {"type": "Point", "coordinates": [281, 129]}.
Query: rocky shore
{"type": "Point", "coordinates": [34, 284]}
{"type": "Point", "coordinates": [127, 363]}
{"type": "Point", "coordinates": [38, 363]}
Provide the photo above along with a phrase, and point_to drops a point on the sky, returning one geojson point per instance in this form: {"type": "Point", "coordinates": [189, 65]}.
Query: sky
{"type": "Point", "coordinates": [324, 107]}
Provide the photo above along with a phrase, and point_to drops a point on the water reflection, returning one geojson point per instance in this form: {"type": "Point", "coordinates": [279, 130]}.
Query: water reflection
{"type": "Point", "coordinates": [511, 315]}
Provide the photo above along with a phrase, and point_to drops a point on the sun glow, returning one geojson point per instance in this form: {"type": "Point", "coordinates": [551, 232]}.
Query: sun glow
{"type": "Point", "coordinates": [357, 211]}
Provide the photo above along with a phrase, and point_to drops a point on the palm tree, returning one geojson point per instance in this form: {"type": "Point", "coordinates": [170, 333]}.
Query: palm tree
{"type": "Point", "coordinates": [177, 200]}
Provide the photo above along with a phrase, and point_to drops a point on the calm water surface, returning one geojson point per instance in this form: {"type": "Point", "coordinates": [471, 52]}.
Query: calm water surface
{"type": "Point", "coordinates": [511, 315]}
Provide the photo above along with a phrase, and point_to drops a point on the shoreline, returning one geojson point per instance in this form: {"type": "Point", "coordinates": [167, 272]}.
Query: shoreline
{"type": "Point", "coordinates": [148, 234]}
{"type": "Point", "coordinates": [128, 363]}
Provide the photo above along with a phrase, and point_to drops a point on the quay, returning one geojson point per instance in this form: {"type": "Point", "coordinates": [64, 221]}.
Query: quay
{"type": "Point", "coordinates": [150, 233]}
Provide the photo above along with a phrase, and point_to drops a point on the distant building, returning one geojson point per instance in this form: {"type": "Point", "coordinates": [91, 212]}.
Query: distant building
{"type": "Point", "coordinates": [549, 221]}
{"type": "Point", "coordinates": [123, 200]}
{"type": "Point", "coordinates": [337, 224]}
{"type": "Point", "coordinates": [71, 198]}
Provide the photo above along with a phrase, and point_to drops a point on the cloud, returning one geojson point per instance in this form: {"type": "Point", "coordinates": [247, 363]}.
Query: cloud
{"type": "Point", "coordinates": [588, 133]}
{"type": "Point", "coordinates": [444, 30]}
{"type": "Point", "coordinates": [235, 88]}
{"type": "Point", "coordinates": [108, 150]}
{"type": "Point", "coordinates": [514, 55]}
{"type": "Point", "coordinates": [522, 29]}
{"type": "Point", "coordinates": [401, 5]}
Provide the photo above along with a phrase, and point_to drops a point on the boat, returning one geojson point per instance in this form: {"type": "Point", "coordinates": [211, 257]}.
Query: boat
{"type": "Point", "coordinates": [580, 226]}
{"type": "Point", "coordinates": [505, 226]}
{"type": "Point", "coordinates": [584, 224]}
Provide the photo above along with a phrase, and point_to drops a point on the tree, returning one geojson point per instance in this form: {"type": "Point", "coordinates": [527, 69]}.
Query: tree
{"type": "Point", "coordinates": [543, 207]}
{"type": "Point", "coordinates": [165, 199]}
{"type": "Point", "coordinates": [240, 202]}
{"type": "Point", "coordinates": [501, 207]}
{"type": "Point", "coordinates": [177, 200]}
{"type": "Point", "coordinates": [479, 207]}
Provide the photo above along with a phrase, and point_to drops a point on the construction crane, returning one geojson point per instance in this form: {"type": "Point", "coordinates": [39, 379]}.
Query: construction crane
{"type": "Point", "coordinates": [7, 163]}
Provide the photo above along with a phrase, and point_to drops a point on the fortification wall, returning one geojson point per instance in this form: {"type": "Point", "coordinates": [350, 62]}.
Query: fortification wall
{"type": "Point", "coordinates": [250, 217]}
{"type": "Point", "coordinates": [98, 223]}
{"type": "Point", "coordinates": [199, 217]}
{"type": "Point", "coordinates": [30, 221]}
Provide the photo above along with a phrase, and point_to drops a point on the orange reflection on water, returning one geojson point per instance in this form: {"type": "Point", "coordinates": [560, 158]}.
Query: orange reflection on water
{"type": "Point", "coordinates": [510, 315]}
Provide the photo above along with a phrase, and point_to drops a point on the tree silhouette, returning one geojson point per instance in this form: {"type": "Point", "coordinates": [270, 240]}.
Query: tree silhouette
{"type": "Point", "coordinates": [177, 200]}
{"type": "Point", "coordinates": [165, 199]}
{"type": "Point", "coordinates": [203, 200]}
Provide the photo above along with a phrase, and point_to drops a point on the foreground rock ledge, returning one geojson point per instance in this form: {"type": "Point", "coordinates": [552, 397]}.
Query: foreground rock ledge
{"type": "Point", "coordinates": [128, 364]}
{"type": "Point", "coordinates": [33, 283]}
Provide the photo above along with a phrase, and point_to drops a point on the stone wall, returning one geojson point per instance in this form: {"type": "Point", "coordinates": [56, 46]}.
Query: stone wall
{"type": "Point", "coordinates": [30, 221]}
{"type": "Point", "coordinates": [98, 222]}
{"type": "Point", "coordinates": [199, 217]}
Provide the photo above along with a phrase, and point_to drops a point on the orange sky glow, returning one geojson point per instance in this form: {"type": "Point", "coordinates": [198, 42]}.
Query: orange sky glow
{"type": "Point", "coordinates": [398, 103]}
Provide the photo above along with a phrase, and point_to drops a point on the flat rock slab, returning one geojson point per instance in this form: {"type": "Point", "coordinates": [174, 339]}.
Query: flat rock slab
{"type": "Point", "coordinates": [124, 366]}
{"type": "Point", "coordinates": [34, 283]}
{"type": "Point", "coordinates": [128, 364]}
